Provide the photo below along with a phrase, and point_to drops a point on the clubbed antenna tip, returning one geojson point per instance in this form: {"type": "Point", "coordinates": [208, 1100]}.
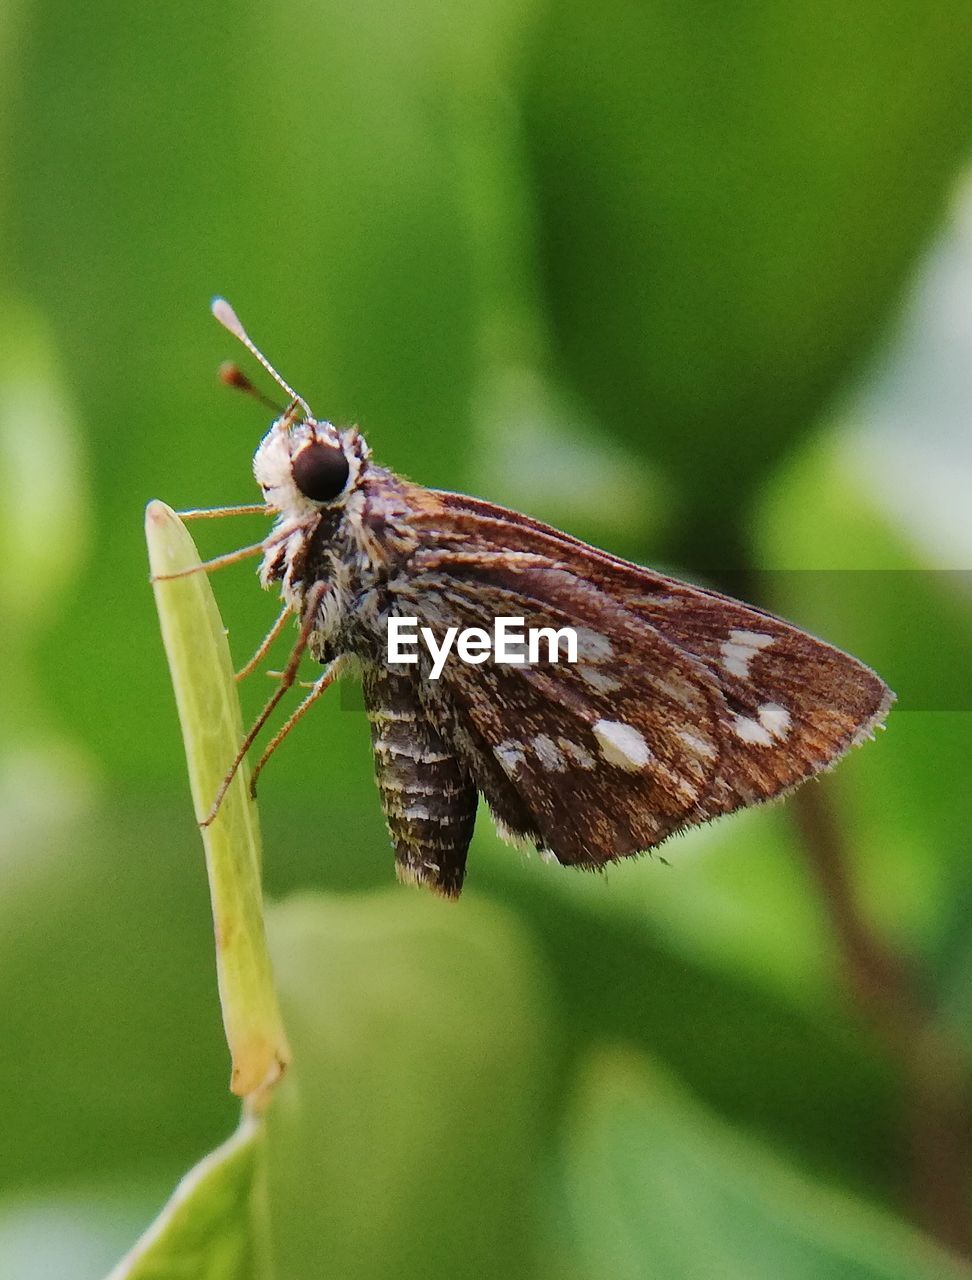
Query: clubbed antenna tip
{"type": "Point", "coordinates": [228, 318]}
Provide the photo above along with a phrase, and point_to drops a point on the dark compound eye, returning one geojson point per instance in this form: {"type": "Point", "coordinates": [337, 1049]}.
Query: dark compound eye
{"type": "Point", "coordinates": [320, 471]}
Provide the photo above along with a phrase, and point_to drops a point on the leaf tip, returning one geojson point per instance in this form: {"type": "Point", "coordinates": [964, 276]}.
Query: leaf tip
{"type": "Point", "coordinates": [158, 513]}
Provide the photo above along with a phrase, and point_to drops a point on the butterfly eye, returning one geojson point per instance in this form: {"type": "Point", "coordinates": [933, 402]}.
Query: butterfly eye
{"type": "Point", "coordinates": [320, 471]}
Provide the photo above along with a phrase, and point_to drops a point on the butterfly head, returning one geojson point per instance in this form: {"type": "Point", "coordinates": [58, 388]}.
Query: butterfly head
{"type": "Point", "coordinates": [303, 464]}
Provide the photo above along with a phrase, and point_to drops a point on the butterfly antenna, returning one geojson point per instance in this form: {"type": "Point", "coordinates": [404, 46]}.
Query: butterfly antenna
{"type": "Point", "coordinates": [231, 375]}
{"type": "Point", "coordinates": [228, 318]}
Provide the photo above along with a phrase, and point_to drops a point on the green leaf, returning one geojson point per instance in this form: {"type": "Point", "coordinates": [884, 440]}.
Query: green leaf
{"type": "Point", "coordinates": [209, 710]}
{"type": "Point", "coordinates": [751, 1054]}
{"type": "Point", "coordinates": [656, 1187]}
{"type": "Point", "coordinates": [730, 200]}
{"type": "Point", "coordinates": [211, 1227]}
{"type": "Point", "coordinates": [40, 472]}
{"type": "Point", "coordinates": [843, 569]}
{"type": "Point", "coordinates": [405, 1140]}
{"type": "Point", "coordinates": [43, 518]}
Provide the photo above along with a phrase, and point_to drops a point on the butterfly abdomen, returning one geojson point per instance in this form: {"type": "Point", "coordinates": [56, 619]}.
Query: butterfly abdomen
{"type": "Point", "coordinates": [428, 798]}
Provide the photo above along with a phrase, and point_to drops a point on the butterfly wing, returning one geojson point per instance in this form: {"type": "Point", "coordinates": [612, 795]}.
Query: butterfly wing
{"type": "Point", "coordinates": [683, 705]}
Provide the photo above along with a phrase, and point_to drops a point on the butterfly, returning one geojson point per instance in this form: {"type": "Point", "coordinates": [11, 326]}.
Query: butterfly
{"type": "Point", "coordinates": [682, 704]}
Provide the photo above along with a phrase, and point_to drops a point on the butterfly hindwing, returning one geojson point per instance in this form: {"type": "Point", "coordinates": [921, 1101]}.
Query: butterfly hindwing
{"type": "Point", "coordinates": [600, 754]}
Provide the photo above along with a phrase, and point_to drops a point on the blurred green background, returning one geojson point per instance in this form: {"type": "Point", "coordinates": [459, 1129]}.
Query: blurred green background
{"type": "Point", "coordinates": [691, 281]}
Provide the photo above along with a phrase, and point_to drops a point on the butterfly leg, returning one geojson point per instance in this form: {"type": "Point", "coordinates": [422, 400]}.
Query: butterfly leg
{"type": "Point", "coordinates": [288, 677]}
{"type": "Point", "coordinates": [218, 562]}
{"type": "Point", "coordinates": [428, 797]}
{"type": "Point", "coordinates": [215, 513]}
{"type": "Point", "coordinates": [231, 557]}
{"type": "Point", "coordinates": [317, 688]}
{"type": "Point", "coordinates": [265, 644]}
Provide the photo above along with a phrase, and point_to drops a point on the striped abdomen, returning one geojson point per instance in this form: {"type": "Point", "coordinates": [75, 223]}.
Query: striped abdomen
{"type": "Point", "coordinates": [428, 797]}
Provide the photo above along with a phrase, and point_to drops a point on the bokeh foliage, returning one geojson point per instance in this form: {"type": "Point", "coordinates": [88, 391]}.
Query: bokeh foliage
{"type": "Point", "coordinates": [624, 265]}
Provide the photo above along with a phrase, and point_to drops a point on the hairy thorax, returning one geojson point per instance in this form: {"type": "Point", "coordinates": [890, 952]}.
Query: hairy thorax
{"type": "Point", "coordinates": [353, 549]}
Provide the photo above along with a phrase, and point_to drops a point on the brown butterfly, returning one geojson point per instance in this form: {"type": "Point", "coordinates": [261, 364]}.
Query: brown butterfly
{"type": "Point", "coordinates": [683, 704]}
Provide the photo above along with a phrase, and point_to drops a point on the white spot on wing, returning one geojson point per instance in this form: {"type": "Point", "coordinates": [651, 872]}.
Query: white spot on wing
{"type": "Point", "coordinates": [739, 650]}
{"type": "Point", "coordinates": [592, 645]}
{"type": "Point", "coordinates": [510, 755]}
{"type": "Point", "coordinates": [621, 744]}
{"type": "Point", "coordinates": [599, 680]}
{"type": "Point", "coordinates": [774, 719]}
{"type": "Point", "coordinates": [549, 754]}
{"type": "Point", "coordinates": [751, 731]}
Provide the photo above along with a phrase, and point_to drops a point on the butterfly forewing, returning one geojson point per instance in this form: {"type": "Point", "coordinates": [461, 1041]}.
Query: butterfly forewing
{"type": "Point", "coordinates": [684, 704]}
{"type": "Point", "coordinates": [793, 704]}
